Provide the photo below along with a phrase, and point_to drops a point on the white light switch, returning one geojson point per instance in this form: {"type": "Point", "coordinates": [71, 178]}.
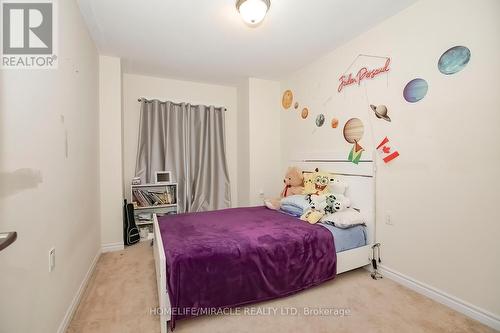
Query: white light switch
{"type": "Point", "coordinates": [388, 218]}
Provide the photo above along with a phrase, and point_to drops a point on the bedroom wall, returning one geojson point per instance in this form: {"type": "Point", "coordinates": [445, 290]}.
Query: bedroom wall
{"type": "Point", "coordinates": [243, 144]}
{"type": "Point", "coordinates": [259, 171]}
{"type": "Point", "coordinates": [264, 140]}
{"type": "Point", "coordinates": [110, 141]}
{"type": "Point", "coordinates": [51, 199]}
{"type": "Point", "coordinates": [135, 86]}
{"type": "Point", "coordinates": [442, 191]}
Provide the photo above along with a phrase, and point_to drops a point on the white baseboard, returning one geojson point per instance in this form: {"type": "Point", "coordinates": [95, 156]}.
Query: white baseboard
{"type": "Point", "coordinates": [110, 247]}
{"type": "Point", "coordinates": [470, 310]}
{"type": "Point", "coordinates": [76, 300]}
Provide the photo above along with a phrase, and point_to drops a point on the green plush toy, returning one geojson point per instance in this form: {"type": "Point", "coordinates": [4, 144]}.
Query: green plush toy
{"type": "Point", "coordinates": [336, 203]}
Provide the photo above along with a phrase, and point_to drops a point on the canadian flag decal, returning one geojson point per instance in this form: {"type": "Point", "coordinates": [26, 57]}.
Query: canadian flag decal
{"type": "Point", "coordinates": [386, 151]}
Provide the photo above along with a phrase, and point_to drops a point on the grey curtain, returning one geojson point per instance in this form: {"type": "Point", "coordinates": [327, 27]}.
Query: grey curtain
{"type": "Point", "coordinates": [188, 140]}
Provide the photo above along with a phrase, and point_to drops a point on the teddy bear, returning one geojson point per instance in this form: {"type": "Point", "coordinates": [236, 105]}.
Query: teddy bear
{"type": "Point", "coordinates": [294, 184]}
{"type": "Point", "coordinates": [316, 210]}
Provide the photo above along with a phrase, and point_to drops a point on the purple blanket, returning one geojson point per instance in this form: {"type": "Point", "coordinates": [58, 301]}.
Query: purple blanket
{"type": "Point", "coordinates": [236, 256]}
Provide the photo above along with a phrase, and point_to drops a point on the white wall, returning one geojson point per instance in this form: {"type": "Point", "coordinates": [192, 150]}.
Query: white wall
{"type": "Point", "coordinates": [265, 176]}
{"type": "Point", "coordinates": [49, 198]}
{"type": "Point", "coordinates": [443, 190]}
{"type": "Point", "coordinates": [243, 144]}
{"type": "Point", "coordinates": [110, 137]}
{"type": "Point", "coordinates": [259, 164]}
{"type": "Point", "coordinates": [135, 86]}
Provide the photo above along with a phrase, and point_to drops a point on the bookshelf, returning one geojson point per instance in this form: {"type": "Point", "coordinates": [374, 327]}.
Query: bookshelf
{"type": "Point", "coordinates": [149, 199]}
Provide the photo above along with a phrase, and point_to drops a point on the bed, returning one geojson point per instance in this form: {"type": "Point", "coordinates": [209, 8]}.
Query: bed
{"type": "Point", "coordinates": [238, 256]}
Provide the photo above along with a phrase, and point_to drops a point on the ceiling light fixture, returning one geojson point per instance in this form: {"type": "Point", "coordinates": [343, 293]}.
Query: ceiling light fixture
{"type": "Point", "coordinates": [253, 11]}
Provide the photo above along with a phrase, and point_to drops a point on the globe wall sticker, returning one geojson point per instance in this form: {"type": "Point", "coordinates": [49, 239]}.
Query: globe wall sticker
{"type": "Point", "coordinates": [320, 120]}
{"type": "Point", "coordinates": [353, 130]}
{"type": "Point", "coordinates": [287, 99]}
{"type": "Point", "coordinates": [353, 133]}
{"type": "Point", "coordinates": [415, 90]}
{"type": "Point", "coordinates": [454, 60]}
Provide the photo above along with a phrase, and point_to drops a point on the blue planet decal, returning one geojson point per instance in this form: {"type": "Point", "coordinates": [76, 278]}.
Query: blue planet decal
{"type": "Point", "coordinates": [454, 60]}
{"type": "Point", "coordinates": [415, 90]}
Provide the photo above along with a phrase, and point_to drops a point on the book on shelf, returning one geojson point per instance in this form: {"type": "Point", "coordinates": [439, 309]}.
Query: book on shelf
{"type": "Point", "coordinates": [144, 217]}
{"type": "Point", "coordinates": [170, 193]}
{"type": "Point", "coordinates": [154, 197]}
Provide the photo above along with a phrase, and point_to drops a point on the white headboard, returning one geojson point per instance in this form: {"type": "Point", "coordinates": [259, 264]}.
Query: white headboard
{"type": "Point", "coordinates": [360, 179]}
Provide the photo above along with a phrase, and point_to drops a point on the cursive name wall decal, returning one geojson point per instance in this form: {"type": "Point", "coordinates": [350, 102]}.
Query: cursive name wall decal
{"type": "Point", "coordinates": [363, 73]}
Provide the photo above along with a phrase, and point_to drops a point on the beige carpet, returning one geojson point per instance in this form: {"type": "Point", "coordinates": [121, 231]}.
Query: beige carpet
{"type": "Point", "coordinates": [123, 290]}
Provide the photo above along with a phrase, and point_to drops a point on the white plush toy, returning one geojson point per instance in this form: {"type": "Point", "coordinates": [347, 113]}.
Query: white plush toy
{"type": "Point", "coordinates": [317, 208]}
{"type": "Point", "coordinates": [318, 202]}
{"type": "Point", "coordinates": [337, 186]}
{"type": "Point", "coordinates": [337, 200]}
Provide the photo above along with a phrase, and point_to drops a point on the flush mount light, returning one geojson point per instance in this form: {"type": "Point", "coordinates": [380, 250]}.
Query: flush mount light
{"type": "Point", "coordinates": [253, 11]}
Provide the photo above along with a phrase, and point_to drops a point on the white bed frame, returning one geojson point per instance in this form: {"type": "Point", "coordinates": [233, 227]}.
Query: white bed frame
{"type": "Point", "coordinates": [361, 191]}
{"type": "Point", "coordinates": [161, 277]}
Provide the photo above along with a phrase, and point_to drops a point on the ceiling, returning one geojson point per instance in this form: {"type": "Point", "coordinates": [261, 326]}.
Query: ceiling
{"type": "Point", "coordinates": [206, 40]}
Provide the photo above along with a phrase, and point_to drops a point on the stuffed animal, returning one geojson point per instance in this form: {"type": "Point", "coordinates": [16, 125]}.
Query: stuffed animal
{"type": "Point", "coordinates": [330, 203]}
{"type": "Point", "coordinates": [341, 203]}
{"type": "Point", "coordinates": [337, 200]}
{"type": "Point", "coordinates": [337, 186]}
{"type": "Point", "coordinates": [312, 216]}
{"type": "Point", "coordinates": [336, 203]}
{"type": "Point", "coordinates": [317, 182]}
{"type": "Point", "coordinates": [316, 210]}
{"type": "Point", "coordinates": [294, 184]}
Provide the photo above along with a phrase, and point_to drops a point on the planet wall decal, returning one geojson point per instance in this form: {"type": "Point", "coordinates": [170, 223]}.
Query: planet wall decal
{"type": "Point", "coordinates": [304, 113]}
{"type": "Point", "coordinates": [296, 105]}
{"type": "Point", "coordinates": [380, 112]}
{"type": "Point", "coordinates": [415, 90]}
{"type": "Point", "coordinates": [320, 120]}
{"type": "Point", "coordinates": [287, 99]}
{"type": "Point", "coordinates": [353, 130]}
{"type": "Point", "coordinates": [454, 60]}
{"type": "Point", "coordinates": [335, 123]}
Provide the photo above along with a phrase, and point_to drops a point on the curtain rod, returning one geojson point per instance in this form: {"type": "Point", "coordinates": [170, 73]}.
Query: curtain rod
{"type": "Point", "coordinates": [140, 99]}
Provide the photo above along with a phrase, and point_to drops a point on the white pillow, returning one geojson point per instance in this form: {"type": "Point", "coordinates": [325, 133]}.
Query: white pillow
{"type": "Point", "coordinates": [344, 219]}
